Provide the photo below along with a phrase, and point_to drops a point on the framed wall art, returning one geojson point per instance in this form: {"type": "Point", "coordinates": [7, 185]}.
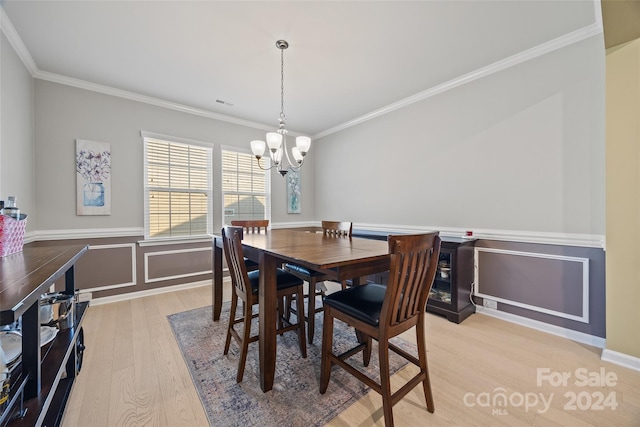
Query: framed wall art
{"type": "Point", "coordinates": [293, 192]}
{"type": "Point", "coordinates": [93, 178]}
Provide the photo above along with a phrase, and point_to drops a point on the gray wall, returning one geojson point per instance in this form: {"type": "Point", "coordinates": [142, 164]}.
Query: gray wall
{"type": "Point", "coordinates": [521, 149]}
{"type": "Point", "coordinates": [17, 177]}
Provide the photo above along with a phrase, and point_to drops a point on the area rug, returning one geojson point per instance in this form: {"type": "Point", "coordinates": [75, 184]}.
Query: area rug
{"type": "Point", "coordinates": [294, 399]}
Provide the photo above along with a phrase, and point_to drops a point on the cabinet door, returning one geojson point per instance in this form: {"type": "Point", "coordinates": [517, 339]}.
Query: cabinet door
{"type": "Point", "coordinates": [443, 289]}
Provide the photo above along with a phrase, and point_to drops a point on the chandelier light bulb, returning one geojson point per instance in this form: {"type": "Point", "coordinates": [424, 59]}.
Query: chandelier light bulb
{"type": "Point", "coordinates": [276, 156]}
{"type": "Point", "coordinates": [257, 147]}
{"type": "Point", "coordinates": [274, 141]}
{"type": "Point", "coordinates": [297, 155]}
{"type": "Point", "coordinates": [303, 143]}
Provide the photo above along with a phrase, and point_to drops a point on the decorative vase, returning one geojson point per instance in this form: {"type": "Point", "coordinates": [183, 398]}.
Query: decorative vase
{"type": "Point", "coordinates": [93, 194]}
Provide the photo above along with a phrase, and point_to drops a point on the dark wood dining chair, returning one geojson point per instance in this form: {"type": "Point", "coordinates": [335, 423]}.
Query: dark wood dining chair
{"type": "Point", "coordinates": [382, 312]}
{"type": "Point", "coordinates": [252, 226]}
{"type": "Point", "coordinates": [337, 228]}
{"type": "Point", "coordinates": [329, 229]}
{"type": "Point", "coordinates": [245, 287]}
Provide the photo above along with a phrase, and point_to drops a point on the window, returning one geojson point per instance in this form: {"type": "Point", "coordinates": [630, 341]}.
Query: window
{"type": "Point", "coordinates": [246, 189]}
{"type": "Point", "coordinates": [177, 188]}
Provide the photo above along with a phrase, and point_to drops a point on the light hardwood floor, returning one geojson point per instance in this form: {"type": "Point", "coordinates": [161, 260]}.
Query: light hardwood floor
{"type": "Point", "coordinates": [134, 375]}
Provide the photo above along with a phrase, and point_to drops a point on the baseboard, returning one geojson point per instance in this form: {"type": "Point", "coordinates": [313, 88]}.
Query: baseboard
{"type": "Point", "coordinates": [621, 359]}
{"type": "Point", "coordinates": [149, 292]}
{"type": "Point", "coordinates": [580, 337]}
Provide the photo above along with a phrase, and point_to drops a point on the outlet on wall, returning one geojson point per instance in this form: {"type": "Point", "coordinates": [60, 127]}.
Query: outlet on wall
{"type": "Point", "coordinates": [489, 303]}
{"type": "Point", "coordinates": [84, 296]}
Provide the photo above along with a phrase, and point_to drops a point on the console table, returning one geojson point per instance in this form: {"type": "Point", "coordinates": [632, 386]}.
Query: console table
{"type": "Point", "coordinates": [41, 383]}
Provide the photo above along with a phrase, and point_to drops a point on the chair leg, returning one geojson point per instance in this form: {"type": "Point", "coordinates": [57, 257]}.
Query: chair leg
{"type": "Point", "coordinates": [280, 313]}
{"type": "Point", "coordinates": [366, 351]}
{"type": "Point", "coordinates": [422, 356]}
{"type": "Point", "coordinates": [300, 319]}
{"type": "Point", "coordinates": [311, 309]}
{"type": "Point", "coordinates": [327, 348]}
{"type": "Point", "coordinates": [232, 318]}
{"type": "Point", "coordinates": [287, 307]}
{"type": "Point", "coordinates": [246, 333]}
{"type": "Point", "coordinates": [385, 382]}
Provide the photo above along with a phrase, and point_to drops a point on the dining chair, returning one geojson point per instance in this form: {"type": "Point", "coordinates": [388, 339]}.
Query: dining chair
{"type": "Point", "coordinates": [245, 288]}
{"type": "Point", "coordinates": [314, 278]}
{"type": "Point", "coordinates": [252, 226]}
{"type": "Point", "coordinates": [381, 312]}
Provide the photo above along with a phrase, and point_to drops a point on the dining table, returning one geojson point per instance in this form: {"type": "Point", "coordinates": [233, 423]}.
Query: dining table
{"type": "Point", "coordinates": [342, 258]}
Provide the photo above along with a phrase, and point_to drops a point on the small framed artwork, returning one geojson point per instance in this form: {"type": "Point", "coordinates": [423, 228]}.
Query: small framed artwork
{"type": "Point", "coordinates": [293, 192]}
{"type": "Point", "coordinates": [93, 178]}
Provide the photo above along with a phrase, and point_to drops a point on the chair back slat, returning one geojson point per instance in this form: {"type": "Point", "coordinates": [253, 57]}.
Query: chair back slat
{"type": "Point", "coordinates": [414, 260]}
{"type": "Point", "coordinates": [252, 226]}
{"type": "Point", "coordinates": [337, 228]}
{"type": "Point", "coordinates": [232, 242]}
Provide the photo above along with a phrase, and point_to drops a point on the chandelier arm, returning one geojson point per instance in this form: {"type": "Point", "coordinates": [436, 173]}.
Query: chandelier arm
{"type": "Point", "coordinates": [265, 169]}
{"type": "Point", "coordinates": [286, 151]}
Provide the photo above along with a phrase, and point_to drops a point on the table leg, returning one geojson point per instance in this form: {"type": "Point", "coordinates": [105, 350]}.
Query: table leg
{"type": "Point", "coordinates": [267, 298]}
{"type": "Point", "coordinates": [216, 296]}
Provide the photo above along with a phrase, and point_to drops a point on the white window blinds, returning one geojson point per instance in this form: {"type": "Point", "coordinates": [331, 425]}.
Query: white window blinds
{"type": "Point", "coordinates": [177, 189]}
{"type": "Point", "coordinates": [246, 189]}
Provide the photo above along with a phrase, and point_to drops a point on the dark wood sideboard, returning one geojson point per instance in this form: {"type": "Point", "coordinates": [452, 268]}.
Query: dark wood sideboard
{"type": "Point", "coordinates": [41, 383]}
{"type": "Point", "coordinates": [452, 287]}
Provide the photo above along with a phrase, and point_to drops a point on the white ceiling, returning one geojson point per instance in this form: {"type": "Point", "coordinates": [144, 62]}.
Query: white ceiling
{"type": "Point", "coordinates": [346, 59]}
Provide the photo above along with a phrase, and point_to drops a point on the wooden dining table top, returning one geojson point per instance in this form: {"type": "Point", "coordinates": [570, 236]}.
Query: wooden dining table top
{"type": "Point", "coordinates": [315, 250]}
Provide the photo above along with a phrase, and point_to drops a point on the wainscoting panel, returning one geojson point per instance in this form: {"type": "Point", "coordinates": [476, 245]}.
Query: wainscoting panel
{"type": "Point", "coordinates": [114, 266]}
{"type": "Point", "coordinates": [95, 270]}
{"type": "Point", "coordinates": [177, 264]}
{"type": "Point", "coordinates": [559, 285]}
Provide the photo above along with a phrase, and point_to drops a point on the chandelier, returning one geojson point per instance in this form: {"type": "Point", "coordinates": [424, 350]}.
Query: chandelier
{"type": "Point", "coordinates": [277, 141]}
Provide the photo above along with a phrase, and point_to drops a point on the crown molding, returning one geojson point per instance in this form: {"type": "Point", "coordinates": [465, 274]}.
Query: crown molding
{"type": "Point", "coordinates": [16, 42]}
{"type": "Point", "coordinates": [108, 90]}
{"type": "Point", "coordinates": [527, 55]}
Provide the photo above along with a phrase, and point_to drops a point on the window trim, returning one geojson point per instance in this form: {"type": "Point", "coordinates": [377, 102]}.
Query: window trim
{"type": "Point", "coordinates": [210, 192]}
{"type": "Point", "coordinates": [267, 174]}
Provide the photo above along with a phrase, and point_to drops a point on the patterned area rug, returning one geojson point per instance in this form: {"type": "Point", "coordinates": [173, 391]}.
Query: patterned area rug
{"type": "Point", "coordinates": [295, 399]}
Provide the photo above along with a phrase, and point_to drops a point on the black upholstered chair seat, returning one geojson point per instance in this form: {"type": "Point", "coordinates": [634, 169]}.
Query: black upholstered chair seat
{"type": "Point", "coordinates": [361, 302]}
{"type": "Point", "coordinates": [301, 270]}
{"type": "Point", "coordinates": [251, 265]}
{"type": "Point", "coordinates": [284, 280]}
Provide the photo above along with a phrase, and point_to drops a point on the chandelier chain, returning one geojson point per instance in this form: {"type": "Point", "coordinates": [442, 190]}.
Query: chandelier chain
{"type": "Point", "coordinates": [282, 117]}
